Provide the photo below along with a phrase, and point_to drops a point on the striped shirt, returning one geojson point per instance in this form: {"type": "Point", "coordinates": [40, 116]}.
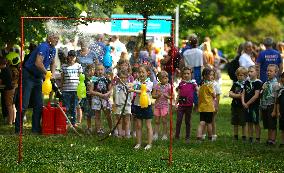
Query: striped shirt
{"type": "Point", "coordinates": [71, 76]}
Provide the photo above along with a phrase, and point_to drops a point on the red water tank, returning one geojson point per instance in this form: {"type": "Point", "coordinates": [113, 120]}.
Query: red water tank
{"type": "Point", "coordinates": [47, 122]}
{"type": "Point", "coordinates": [60, 120]}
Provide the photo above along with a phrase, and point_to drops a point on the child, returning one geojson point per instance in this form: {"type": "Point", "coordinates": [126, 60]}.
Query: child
{"type": "Point", "coordinates": [250, 102]}
{"type": "Point", "coordinates": [237, 110]}
{"type": "Point", "coordinates": [267, 102]}
{"type": "Point", "coordinates": [119, 97]}
{"type": "Point", "coordinates": [206, 107]}
{"type": "Point", "coordinates": [185, 96]}
{"type": "Point", "coordinates": [143, 113]}
{"type": "Point", "coordinates": [87, 102]}
{"type": "Point", "coordinates": [123, 66]}
{"type": "Point", "coordinates": [280, 110]}
{"type": "Point", "coordinates": [70, 80]}
{"type": "Point", "coordinates": [100, 90]}
{"type": "Point", "coordinates": [161, 93]}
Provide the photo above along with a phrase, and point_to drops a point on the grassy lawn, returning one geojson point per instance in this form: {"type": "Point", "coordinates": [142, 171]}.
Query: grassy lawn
{"type": "Point", "coordinates": [86, 154]}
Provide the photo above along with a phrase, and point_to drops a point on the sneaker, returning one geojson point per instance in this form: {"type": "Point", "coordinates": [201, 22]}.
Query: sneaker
{"type": "Point", "coordinates": [164, 138]}
{"type": "Point", "coordinates": [137, 146]}
{"type": "Point", "coordinates": [148, 147]}
{"type": "Point", "coordinates": [155, 137]}
{"type": "Point", "coordinates": [25, 118]}
{"type": "Point", "coordinates": [214, 137]}
{"type": "Point", "coordinates": [100, 132]}
{"type": "Point", "coordinates": [128, 136]}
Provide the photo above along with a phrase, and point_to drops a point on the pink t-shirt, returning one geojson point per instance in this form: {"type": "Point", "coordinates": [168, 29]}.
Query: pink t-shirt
{"type": "Point", "coordinates": [162, 102]}
{"type": "Point", "coordinates": [186, 90]}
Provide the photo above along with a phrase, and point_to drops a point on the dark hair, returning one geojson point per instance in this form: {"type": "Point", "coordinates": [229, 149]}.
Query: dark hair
{"type": "Point", "coordinates": [89, 67]}
{"type": "Point", "coordinates": [193, 40]}
{"type": "Point", "coordinates": [72, 53]}
{"type": "Point", "coordinates": [185, 68]}
{"type": "Point", "coordinates": [206, 72]}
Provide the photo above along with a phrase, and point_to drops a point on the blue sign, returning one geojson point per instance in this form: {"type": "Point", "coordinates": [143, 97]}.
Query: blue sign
{"type": "Point", "coordinates": [155, 27]}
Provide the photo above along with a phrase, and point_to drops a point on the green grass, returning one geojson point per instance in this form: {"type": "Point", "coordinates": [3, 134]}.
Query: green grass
{"type": "Point", "coordinates": [85, 154]}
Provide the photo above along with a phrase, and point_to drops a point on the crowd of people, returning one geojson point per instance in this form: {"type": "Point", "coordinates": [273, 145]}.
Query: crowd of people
{"type": "Point", "coordinates": [114, 73]}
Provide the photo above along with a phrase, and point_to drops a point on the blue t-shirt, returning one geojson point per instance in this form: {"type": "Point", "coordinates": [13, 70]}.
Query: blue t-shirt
{"type": "Point", "coordinates": [47, 52]}
{"type": "Point", "coordinates": [266, 57]}
{"type": "Point", "coordinates": [86, 59]}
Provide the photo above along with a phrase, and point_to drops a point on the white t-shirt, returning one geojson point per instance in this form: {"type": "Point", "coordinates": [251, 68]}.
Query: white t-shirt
{"type": "Point", "coordinates": [193, 57]}
{"type": "Point", "coordinates": [245, 61]}
{"type": "Point", "coordinates": [217, 88]}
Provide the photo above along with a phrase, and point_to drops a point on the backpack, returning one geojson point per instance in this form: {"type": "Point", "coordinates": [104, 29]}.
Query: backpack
{"type": "Point", "coordinates": [232, 68]}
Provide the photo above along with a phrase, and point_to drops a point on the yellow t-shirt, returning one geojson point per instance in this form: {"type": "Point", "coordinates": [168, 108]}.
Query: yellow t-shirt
{"type": "Point", "coordinates": [205, 98]}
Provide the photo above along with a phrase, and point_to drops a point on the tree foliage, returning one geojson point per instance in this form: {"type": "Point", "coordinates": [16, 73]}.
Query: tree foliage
{"type": "Point", "coordinates": [11, 12]}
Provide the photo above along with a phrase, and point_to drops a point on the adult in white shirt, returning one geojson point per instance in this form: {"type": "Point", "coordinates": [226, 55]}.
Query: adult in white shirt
{"type": "Point", "coordinates": [193, 58]}
{"type": "Point", "coordinates": [245, 59]}
{"type": "Point", "coordinates": [119, 47]}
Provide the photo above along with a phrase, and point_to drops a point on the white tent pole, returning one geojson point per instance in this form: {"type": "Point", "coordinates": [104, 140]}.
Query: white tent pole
{"type": "Point", "coordinates": [177, 26]}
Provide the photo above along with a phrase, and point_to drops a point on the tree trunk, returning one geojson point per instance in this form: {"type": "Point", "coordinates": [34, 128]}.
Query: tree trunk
{"type": "Point", "coordinates": [145, 24]}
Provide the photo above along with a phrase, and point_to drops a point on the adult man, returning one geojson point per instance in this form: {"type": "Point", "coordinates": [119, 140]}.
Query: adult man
{"type": "Point", "coordinates": [33, 73]}
{"type": "Point", "coordinates": [245, 59]}
{"type": "Point", "coordinates": [193, 58]}
{"type": "Point", "coordinates": [266, 57]}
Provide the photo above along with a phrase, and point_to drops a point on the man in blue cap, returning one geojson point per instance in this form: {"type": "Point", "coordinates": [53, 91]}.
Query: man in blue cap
{"type": "Point", "coordinates": [33, 73]}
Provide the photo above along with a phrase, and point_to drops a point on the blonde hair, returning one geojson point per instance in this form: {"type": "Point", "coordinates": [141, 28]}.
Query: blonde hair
{"type": "Point", "coordinates": [99, 65]}
{"type": "Point", "coordinates": [252, 67]}
{"type": "Point", "coordinates": [280, 47]}
{"type": "Point", "coordinates": [242, 70]}
{"type": "Point", "coordinates": [122, 61]}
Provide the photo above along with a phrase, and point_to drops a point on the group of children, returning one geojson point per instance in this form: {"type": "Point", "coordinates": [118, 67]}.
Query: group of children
{"type": "Point", "coordinates": [124, 89]}
{"type": "Point", "coordinates": [254, 100]}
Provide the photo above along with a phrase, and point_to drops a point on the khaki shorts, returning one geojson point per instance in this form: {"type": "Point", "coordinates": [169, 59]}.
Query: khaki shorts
{"type": "Point", "coordinates": [127, 110]}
